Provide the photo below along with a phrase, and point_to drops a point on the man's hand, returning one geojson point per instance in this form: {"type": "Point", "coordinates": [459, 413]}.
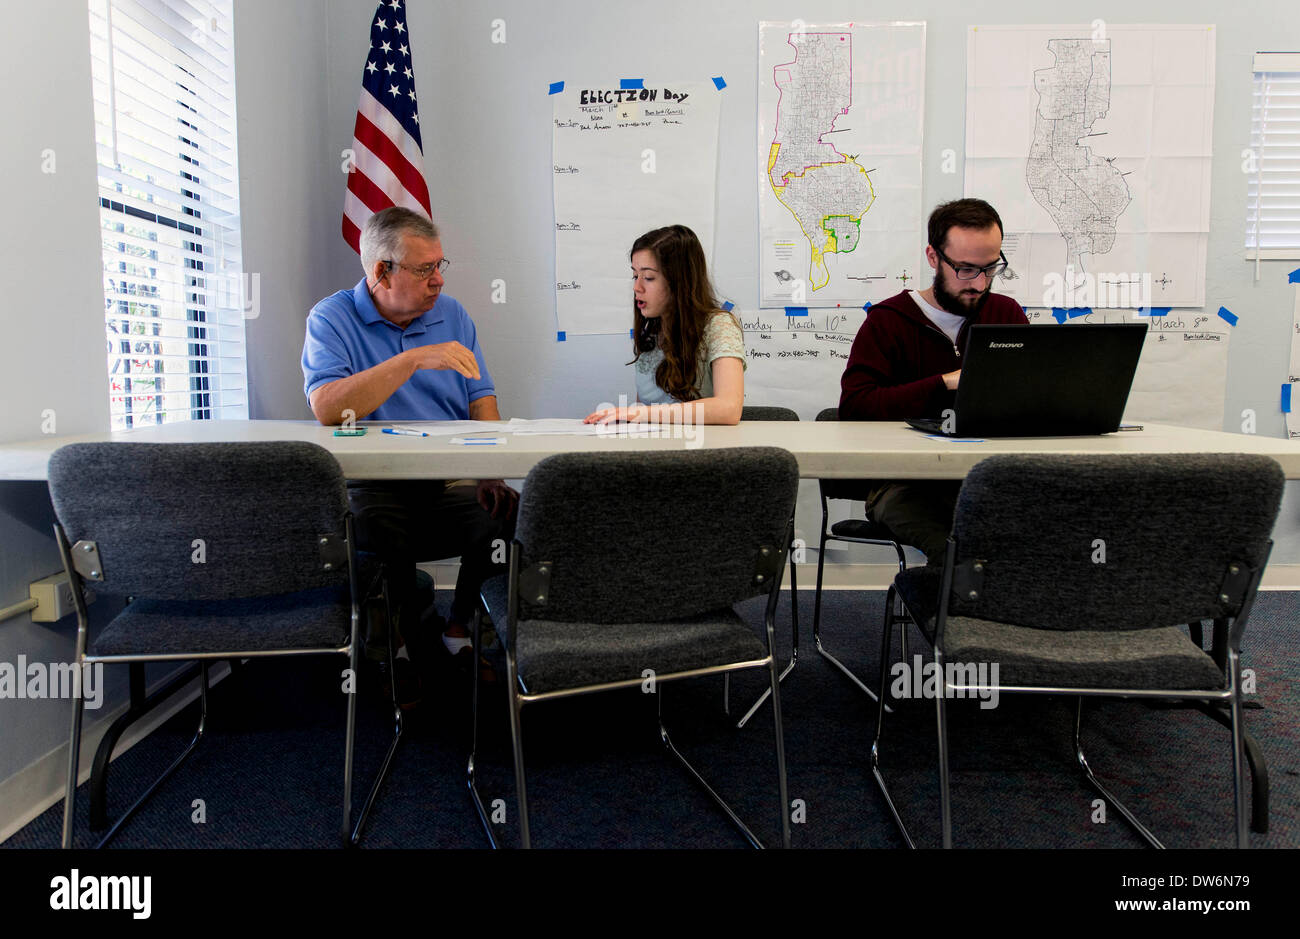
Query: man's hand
{"type": "Point", "coordinates": [497, 498]}
{"type": "Point", "coordinates": [950, 380]}
{"type": "Point", "coordinates": [631, 415]}
{"type": "Point", "coordinates": [446, 355]}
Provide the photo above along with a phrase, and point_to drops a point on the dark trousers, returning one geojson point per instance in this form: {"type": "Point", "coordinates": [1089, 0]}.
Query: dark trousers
{"type": "Point", "coordinates": [918, 513]}
{"type": "Point", "coordinates": [411, 521]}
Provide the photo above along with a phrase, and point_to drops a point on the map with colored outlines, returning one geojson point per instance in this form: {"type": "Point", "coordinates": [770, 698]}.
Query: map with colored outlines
{"type": "Point", "coordinates": [826, 191]}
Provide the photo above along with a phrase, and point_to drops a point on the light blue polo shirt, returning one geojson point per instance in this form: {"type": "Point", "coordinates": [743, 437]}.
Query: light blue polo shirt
{"type": "Point", "coordinates": [347, 335]}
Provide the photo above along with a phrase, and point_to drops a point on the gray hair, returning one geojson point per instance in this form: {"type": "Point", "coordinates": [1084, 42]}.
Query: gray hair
{"type": "Point", "coordinates": [381, 238]}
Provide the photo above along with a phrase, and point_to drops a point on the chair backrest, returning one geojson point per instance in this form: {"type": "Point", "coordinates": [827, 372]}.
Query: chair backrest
{"type": "Point", "coordinates": [1114, 541]}
{"type": "Point", "coordinates": [856, 489]}
{"type": "Point", "coordinates": [641, 537]}
{"type": "Point", "coordinates": [757, 412]}
{"type": "Point", "coordinates": [204, 521]}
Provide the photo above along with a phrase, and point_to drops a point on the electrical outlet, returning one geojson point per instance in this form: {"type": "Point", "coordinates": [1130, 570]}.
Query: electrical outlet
{"type": "Point", "coordinates": [53, 596]}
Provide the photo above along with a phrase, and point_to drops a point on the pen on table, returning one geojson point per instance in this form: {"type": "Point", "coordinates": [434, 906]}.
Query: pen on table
{"type": "Point", "coordinates": [404, 433]}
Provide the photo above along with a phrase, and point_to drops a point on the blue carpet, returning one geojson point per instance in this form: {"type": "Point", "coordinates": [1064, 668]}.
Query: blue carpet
{"type": "Point", "coordinates": [269, 773]}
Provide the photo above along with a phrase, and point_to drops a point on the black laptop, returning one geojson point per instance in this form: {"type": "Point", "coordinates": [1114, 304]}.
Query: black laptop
{"type": "Point", "coordinates": [1042, 381]}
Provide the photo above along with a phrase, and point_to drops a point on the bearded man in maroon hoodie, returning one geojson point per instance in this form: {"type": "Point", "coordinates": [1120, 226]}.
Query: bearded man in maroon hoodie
{"type": "Point", "coordinates": [906, 359]}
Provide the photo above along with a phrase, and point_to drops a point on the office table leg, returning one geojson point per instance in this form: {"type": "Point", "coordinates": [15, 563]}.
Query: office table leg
{"type": "Point", "coordinates": [141, 704]}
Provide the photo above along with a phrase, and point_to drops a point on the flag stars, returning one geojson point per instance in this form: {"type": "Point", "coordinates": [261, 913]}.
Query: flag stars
{"type": "Point", "coordinates": [415, 116]}
{"type": "Point", "coordinates": [407, 72]}
{"type": "Point", "coordinates": [411, 94]}
{"type": "Point", "coordinates": [394, 91]}
{"type": "Point", "coordinates": [371, 67]}
{"type": "Point", "coordinates": [400, 26]}
{"type": "Point", "coordinates": [390, 68]}
{"type": "Point", "coordinates": [381, 24]}
{"type": "Point", "coordinates": [402, 49]}
{"type": "Point", "coordinates": [395, 5]}
{"type": "Point", "coordinates": [386, 47]}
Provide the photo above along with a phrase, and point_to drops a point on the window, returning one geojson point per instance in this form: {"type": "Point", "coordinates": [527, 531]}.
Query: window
{"type": "Point", "coordinates": [174, 289]}
{"type": "Point", "coordinates": [1273, 163]}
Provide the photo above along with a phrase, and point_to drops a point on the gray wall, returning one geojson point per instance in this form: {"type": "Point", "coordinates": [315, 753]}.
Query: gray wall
{"type": "Point", "coordinates": [487, 152]}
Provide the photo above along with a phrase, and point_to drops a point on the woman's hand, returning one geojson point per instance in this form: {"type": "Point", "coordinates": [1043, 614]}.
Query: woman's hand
{"type": "Point", "coordinates": [635, 414]}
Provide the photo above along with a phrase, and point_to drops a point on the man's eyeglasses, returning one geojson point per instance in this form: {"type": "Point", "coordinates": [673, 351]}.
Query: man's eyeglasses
{"type": "Point", "coordinates": [424, 271]}
{"type": "Point", "coordinates": [971, 271]}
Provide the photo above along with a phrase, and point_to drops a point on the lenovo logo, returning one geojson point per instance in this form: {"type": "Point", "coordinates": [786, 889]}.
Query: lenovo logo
{"type": "Point", "coordinates": [1006, 345]}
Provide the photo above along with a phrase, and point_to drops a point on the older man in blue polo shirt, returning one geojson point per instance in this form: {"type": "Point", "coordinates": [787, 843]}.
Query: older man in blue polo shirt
{"type": "Point", "coordinates": [396, 348]}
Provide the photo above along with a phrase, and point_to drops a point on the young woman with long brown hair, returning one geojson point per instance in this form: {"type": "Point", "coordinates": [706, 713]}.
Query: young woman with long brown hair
{"type": "Point", "coordinates": [689, 352]}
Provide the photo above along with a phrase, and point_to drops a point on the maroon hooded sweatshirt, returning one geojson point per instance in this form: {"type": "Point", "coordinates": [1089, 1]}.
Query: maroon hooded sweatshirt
{"type": "Point", "coordinates": [896, 367]}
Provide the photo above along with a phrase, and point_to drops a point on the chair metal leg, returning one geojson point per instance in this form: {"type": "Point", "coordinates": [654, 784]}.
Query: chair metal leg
{"type": "Point", "coordinates": [167, 773]}
{"type": "Point", "coordinates": [387, 764]}
{"type": "Point", "coordinates": [1238, 783]}
{"type": "Point", "coordinates": [141, 704]}
{"type": "Point", "coordinates": [517, 742]}
{"type": "Point", "coordinates": [74, 748]}
{"type": "Point", "coordinates": [473, 745]}
{"type": "Point", "coordinates": [671, 747]}
{"type": "Point", "coordinates": [817, 635]}
{"type": "Point", "coordinates": [794, 653]}
{"type": "Point", "coordinates": [1102, 790]}
{"type": "Point", "coordinates": [941, 719]}
{"type": "Point", "coordinates": [348, 747]}
{"type": "Point", "coordinates": [880, 723]}
{"type": "Point", "coordinates": [1259, 788]}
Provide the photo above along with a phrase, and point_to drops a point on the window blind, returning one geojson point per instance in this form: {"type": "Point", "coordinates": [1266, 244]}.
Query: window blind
{"type": "Point", "coordinates": [1273, 166]}
{"type": "Point", "coordinates": [175, 295]}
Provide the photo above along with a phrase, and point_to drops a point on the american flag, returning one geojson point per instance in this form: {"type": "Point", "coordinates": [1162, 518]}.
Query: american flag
{"type": "Point", "coordinates": [386, 145]}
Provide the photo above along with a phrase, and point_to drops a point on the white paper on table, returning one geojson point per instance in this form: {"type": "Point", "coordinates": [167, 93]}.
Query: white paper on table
{"type": "Point", "coordinates": [550, 425]}
{"type": "Point", "coordinates": [448, 428]}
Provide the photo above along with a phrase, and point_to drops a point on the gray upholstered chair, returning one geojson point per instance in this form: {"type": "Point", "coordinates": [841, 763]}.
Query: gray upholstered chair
{"type": "Point", "coordinates": [231, 551]}
{"type": "Point", "coordinates": [853, 531]}
{"type": "Point", "coordinates": [1074, 575]}
{"type": "Point", "coordinates": [626, 566]}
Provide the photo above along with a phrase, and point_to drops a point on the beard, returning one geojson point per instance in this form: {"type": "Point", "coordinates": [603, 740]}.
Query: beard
{"type": "Point", "coordinates": [963, 303]}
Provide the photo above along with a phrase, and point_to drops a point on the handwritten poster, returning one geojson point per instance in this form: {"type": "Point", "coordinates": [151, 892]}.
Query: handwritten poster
{"type": "Point", "coordinates": [626, 160]}
{"type": "Point", "coordinates": [1182, 376]}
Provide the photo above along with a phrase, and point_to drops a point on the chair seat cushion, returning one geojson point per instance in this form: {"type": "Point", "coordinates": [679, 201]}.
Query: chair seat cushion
{"type": "Point", "coordinates": [311, 619]}
{"type": "Point", "coordinates": [1151, 659]}
{"type": "Point", "coordinates": [1162, 658]}
{"type": "Point", "coordinates": [553, 655]}
{"type": "Point", "coordinates": [862, 528]}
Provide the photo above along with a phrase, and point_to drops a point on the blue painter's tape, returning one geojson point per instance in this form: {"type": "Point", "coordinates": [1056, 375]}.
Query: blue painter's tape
{"type": "Point", "coordinates": [628, 84]}
{"type": "Point", "coordinates": [728, 306]}
{"type": "Point", "coordinates": [1079, 311]}
{"type": "Point", "coordinates": [1226, 314]}
{"type": "Point", "coordinates": [632, 333]}
{"type": "Point", "coordinates": [556, 88]}
{"type": "Point", "coordinates": [1154, 311]}
{"type": "Point", "coordinates": [867, 305]}
{"type": "Point", "coordinates": [1286, 397]}
{"type": "Point", "coordinates": [796, 311]}
{"type": "Point", "coordinates": [559, 337]}
{"type": "Point", "coordinates": [1059, 314]}
{"type": "Point", "coordinates": [1293, 277]}
{"type": "Point", "coordinates": [719, 82]}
